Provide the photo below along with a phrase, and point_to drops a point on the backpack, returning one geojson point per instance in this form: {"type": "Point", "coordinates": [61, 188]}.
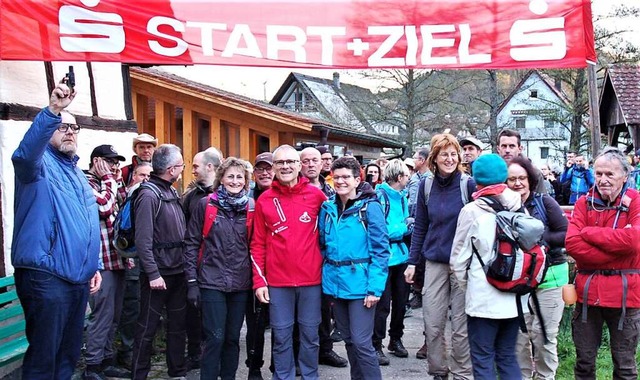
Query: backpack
{"type": "Point", "coordinates": [520, 260]}
{"type": "Point", "coordinates": [464, 188]}
{"type": "Point", "coordinates": [210, 215]}
{"type": "Point", "coordinates": [124, 230]}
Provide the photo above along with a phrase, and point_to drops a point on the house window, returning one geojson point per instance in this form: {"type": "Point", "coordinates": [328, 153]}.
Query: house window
{"type": "Point", "coordinates": [521, 122]}
{"type": "Point", "coordinates": [549, 123]}
{"type": "Point", "coordinates": [544, 152]}
{"type": "Point", "coordinates": [534, 94]}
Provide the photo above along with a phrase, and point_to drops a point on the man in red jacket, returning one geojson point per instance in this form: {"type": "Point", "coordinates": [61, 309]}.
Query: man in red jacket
{"type": "Point", "coordinates": [604, 239]}
{"type": "Point", "coordinates": [287, 263]}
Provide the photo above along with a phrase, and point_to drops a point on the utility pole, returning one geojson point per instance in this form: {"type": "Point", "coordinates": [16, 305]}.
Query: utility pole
{"type": "Point", "coordinates": [594, 109]}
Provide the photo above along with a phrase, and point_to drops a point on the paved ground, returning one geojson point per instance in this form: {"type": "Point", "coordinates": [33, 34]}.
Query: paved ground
{"type": "Point", "coordinates": [399, 369]}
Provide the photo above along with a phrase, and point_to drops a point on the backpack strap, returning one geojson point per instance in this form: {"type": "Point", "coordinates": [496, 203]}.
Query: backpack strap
{"type": "Point", "coordinates": [362, 216]}
{"type": "Point", "coordinates": [493, 203]}
{"type": "Point", "coordinates": [538, 203]}
{"type": "Point", "coordinates": [428, 184]}
{"type": "Point", "coordinates": [464, 188]}
{"type": "Point", "coordinates": [251, 207]}
{"type": "Point", "coordinates": [156, 191]}
{"type": "Point", "coordinates": [383, 197]}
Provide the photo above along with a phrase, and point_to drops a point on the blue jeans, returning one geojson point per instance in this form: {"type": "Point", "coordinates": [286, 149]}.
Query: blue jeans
{"type": "Point", "coordinates": [285, 305]}
{"type": "Point", "coordinates": [355, 324]}
{"type": "Point", "coordinates": [54, 312]}
{"type": "Point", "coordinates": [493, 347]}
{"type": "Point", "coordinates": [222, 317]}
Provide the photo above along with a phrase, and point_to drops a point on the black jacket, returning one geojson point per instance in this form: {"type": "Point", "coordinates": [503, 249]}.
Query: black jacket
{"type": "Point", "coordinates": [160, 229]}
{"type": "Point", "coordinates": [191, 198]}
{"type": "Point", "coordinates": [225, 265]}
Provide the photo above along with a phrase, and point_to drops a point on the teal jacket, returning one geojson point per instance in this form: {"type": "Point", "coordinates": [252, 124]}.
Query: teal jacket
{"type": "Point", "coordinates": [398, 211]}
{"type": "Point", "coordinates": [355, 246]}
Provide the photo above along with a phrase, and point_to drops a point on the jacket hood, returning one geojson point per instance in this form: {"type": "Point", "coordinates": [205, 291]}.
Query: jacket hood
{"type": "Point", "coordinates": [280, 188]}
{"type": "Point", "coordinates": [393, 193]}
{"type": "Point", "coordinates": [365, 191]}
{"type": "Point", "coordinates": [194, 185]}
{"type": "Point", "coordinates": [508, 198]}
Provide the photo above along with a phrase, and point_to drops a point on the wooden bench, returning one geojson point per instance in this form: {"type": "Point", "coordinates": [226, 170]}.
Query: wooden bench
{"type": "Point", "coordinates": [13, 342]}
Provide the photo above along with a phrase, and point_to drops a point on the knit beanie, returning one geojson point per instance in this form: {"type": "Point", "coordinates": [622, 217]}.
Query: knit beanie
{"type": "Point", "coordinates": [489, 169]}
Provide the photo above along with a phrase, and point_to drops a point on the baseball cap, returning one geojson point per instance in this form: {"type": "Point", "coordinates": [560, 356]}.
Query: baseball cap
{"type": "Point", "coordinates": [264, 157]}
{"type": "Point", "coordinates": [106, 151]}
{"type": "Point", "coordinates": [322, 149]}
{"type": "Point", "coordinates": [144, 138]}
{"type": "Point", "coordinates": [471, 140]}
{"type": "Point", "coordinates": [409, 162]}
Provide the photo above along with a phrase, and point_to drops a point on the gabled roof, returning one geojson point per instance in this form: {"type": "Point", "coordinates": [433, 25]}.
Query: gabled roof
{"type": "Point", "coordinates": [264, 109]}
{"type": "Point", "coordinates": [346, 105]}
{"type": "Point", "coordinates": [625, 81]}
{"type": "Point", "coordinates": [545, 79]}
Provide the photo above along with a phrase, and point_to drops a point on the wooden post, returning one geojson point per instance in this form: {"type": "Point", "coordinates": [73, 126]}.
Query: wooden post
{"type": "Point", "coordinates": [594, 110]}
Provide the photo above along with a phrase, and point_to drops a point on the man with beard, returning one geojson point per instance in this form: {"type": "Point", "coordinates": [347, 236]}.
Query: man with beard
{"type": "Point", "coordinates": [143, 145]}
{"type": "Point", "coordinates": [204, 168]}
{"type": "Point", "coordinates": [56, 240]}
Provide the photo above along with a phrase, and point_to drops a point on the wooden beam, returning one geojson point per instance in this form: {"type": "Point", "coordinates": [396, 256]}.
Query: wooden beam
{"type": "Point", "coordinates": [245, 142]}
{"type": "Point", "coordinates": [161, 126]}
{"type": "Point", "coordinates": [214, 132]}
{"type": "Point", "coordinates": [189, 143]}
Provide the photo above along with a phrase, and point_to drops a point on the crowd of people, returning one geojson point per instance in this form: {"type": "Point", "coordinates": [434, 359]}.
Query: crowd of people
{"type": "Point", "coordinates": [305, 243]}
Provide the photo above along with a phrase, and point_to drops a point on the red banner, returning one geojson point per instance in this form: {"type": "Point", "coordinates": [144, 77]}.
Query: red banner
{"type": "Point", "coordinates": [499, 34]}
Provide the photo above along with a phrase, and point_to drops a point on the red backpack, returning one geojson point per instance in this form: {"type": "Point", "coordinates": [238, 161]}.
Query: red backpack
{"type": "Point", "coordinates": [210, 214]}
{"type": "Point", "coordinates": [519, 264]}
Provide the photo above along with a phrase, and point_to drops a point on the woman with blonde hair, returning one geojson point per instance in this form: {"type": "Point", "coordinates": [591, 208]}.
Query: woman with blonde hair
{"type": "Point", "coordinates": [218, 267]}
{"type": "Point", "coordinates": [441, 196]}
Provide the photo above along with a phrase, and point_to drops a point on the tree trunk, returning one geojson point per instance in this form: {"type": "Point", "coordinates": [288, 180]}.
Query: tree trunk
{"type": "Point", "coordinates": [578, 111]}
{"type": "Point", "coordinates": [493, 112]}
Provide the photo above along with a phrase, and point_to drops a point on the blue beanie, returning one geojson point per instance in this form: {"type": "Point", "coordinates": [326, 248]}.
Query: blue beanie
{"type": "Point", "coordinates": [489, 169]}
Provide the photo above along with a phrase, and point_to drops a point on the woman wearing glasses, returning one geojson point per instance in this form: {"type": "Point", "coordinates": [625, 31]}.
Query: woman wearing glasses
{"type": "Point", "coordinates": [542, 362]}
{"type": "Point", "coordinates": [355, 247]}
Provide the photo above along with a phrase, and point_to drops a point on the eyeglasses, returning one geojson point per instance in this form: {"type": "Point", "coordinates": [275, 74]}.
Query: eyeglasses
{"type": "Point", "coordinates": [444, 155]}
{"type": "Point", "coordinates": [282, 163]}
{"type": "Point", "coordinates": [262, 169]}
{"type": "Point", "coordinates": [308, 161]}
{"type": "Point", "coordinates": [179, 166]}
{"type": "Point", "coordinates": [111, 161]}
{"type": "Point", "coordinates": [521, 179]}
{"type": "Point", "coordinates": [64, 127]}
{"type": "Point", "coordinates": [343, 178]}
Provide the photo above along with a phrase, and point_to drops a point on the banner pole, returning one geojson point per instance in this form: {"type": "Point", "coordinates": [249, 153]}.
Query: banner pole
{"type": "Point", "coordinates": [594, 109]}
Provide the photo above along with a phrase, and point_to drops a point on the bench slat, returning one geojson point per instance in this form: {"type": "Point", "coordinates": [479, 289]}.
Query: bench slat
{"type": "Point", "coordinates": [6, 281]}
{"type": "Point", "coordinates": [9, 296]}
{"type": "Point", "coordinates": [10, 311]}
{"type": "Point", "coordinates": [13, 350]}
{"type": "Point", "coordinates": [12, 328]}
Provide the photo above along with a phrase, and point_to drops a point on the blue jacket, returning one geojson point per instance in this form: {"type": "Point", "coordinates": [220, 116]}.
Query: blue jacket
{"type": "Point", "coordinates": [396, 226]}
{"type": "Point", "coordinates": [355, 247]}
{"type": "Point", "coordinates": [581, 181]}
{"type": "Point", "coordinates": [56, 229]}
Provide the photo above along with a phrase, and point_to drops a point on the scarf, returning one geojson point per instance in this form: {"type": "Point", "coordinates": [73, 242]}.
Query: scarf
{"type": "Point", "coordinates": [489, 190]}
{"type": "Point", "coordinates": [232, 202]}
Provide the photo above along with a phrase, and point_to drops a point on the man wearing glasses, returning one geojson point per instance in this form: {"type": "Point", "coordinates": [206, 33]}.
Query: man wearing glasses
{"type": "Point", "coordinates": [106, 305]}
{"type": "Point", "coordinates": [56, 240]}
{"type": "Point", "coordinates": [160, 228]}
{"type": "Point", "coordinates": [288, 263]}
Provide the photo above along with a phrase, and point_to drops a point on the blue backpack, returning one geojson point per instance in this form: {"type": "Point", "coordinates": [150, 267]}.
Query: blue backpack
{"type": "Point", "coordinates": [124, 229]}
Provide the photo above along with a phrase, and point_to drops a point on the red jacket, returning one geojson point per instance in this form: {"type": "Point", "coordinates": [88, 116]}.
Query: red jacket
{"type": "Point", "coordinates": [595, 244]}
{"type": "Point", "coordinates": [285, 248]}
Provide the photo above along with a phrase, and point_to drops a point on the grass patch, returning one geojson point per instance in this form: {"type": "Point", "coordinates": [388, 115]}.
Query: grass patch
{"type": "Point", "coordinates": [567, 351]}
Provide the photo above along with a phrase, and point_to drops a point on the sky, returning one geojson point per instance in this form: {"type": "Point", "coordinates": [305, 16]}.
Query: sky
{"type": "Point", "coordinates": [263, 83]}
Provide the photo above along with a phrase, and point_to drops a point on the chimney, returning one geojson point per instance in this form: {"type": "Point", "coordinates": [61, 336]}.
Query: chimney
{"type": "Point", "coordinates": [336, 80]}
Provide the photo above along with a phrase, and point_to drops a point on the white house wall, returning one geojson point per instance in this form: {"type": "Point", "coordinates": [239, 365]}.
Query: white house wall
{"type": "Point", "coordinates": [535, 136]}
{"type": "Point", "coordinates": [25, 83]}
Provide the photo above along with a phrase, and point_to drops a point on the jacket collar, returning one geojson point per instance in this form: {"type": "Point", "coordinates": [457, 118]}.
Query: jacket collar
{"type": "Point", "coordinates": [63, 158]}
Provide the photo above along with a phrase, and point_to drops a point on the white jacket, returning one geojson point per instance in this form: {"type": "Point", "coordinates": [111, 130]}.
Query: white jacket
{"type": "Point", "coordinates": [476, 224]}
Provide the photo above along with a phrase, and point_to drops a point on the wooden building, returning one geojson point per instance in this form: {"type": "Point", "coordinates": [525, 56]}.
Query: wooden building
{"type": "Point", "coordinates": [195, 116]}
{"type": "Point", "coordinates": [620, 106]}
